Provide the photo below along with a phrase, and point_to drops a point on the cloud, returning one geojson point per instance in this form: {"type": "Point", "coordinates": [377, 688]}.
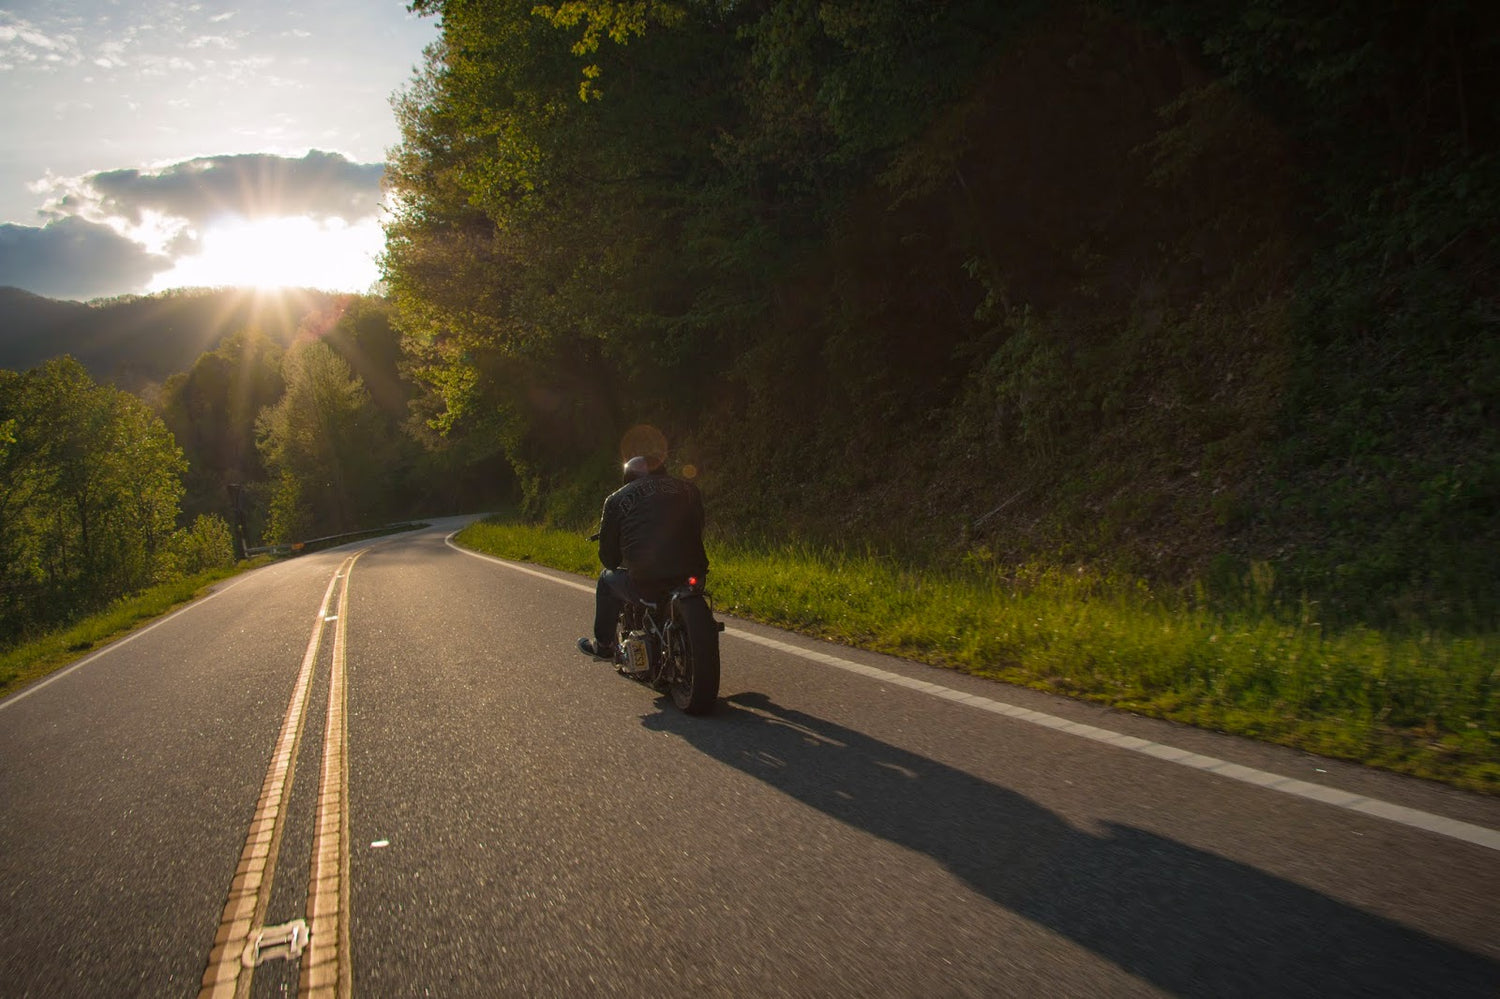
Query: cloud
{"type": "Point", "coordinates": [23, 42]}
{"type": "Point", "coordinates": [211, 41]}
{"type": "Point", "coordinates": [203, 220]}
{"type": "Point", "coordinates": [74, 258]}
{"type": "Point", "coordinates": [251, 186]}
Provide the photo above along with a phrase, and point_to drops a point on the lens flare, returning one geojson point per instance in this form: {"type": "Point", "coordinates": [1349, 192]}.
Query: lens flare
{"type": "Point", "coordinates": [646, 441]}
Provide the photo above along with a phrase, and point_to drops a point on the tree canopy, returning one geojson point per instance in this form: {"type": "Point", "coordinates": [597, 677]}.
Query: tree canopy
{"type": "Point", "coordinates": [90, 480]}
{"type": "Point", "coordinates": [1142, 267]}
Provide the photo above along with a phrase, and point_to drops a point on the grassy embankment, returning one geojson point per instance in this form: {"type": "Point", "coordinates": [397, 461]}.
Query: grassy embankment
{"type": "Point", "coordinates": [1427, 705]}
{"type": "Point", "coordinates": [30, 661]}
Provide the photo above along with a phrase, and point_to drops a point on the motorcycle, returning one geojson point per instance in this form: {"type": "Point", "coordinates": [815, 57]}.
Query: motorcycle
{"type": "Point", "coordinates": [669, 640]}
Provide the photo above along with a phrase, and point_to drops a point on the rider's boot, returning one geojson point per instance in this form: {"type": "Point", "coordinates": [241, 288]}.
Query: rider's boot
{"type": "Point", "coordinates": [591, 647]}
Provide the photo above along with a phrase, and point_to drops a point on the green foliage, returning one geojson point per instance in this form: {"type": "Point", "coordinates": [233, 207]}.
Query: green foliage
{"type": "Point", "coordinates": [289, 518]}
{"type": "Point", "coordinates": [329, 446]}
{"type": "Point", "coordinates": [205, 546]}
{"type": "Point", "coordinates": [536, 261]}
{"type": "Point", "coordinates": [619, 22]}
{"type": "Point", "coordinates": [1217, 293]}
{"type": "Point", "coordinates": [92, 481]}
{"type": "Point", "coordinates": [576, 503]}
{"type": "Point", "coordinates": [211, 410]}
{"type": "Point", "coordinates": [1378, 496]}
{"type": "Point", "coordinates": [508, 538]}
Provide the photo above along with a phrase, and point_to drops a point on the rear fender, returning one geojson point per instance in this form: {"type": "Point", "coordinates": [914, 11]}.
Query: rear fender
{"type": "Point", "coordinates": [689, 601]}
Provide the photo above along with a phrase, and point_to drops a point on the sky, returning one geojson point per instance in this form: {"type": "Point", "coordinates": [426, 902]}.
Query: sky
{"type": "Point", "coordinates": [156, 144]}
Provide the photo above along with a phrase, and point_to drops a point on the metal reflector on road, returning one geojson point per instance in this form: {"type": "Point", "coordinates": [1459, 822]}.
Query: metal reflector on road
{"type": "Point", "coordinates": [276, 943]}
{"type": "Point", "coordinates": [242, 942]}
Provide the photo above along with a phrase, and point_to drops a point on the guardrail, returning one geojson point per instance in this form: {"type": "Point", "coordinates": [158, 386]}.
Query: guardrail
{"type": "Point", "coordinates": [314, 544]}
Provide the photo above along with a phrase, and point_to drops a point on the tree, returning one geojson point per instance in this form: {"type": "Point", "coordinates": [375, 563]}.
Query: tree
{"type": "Point", "coordinates": [93, 485]}
{"type": "Point", "coordinates": [328, 447]}
{"type": "Point", "coordinates": [1153, 258]}
{"type": "Point", "coordinates": [211, 410]}
{"type": "Point", "coordinates": [549, 257]}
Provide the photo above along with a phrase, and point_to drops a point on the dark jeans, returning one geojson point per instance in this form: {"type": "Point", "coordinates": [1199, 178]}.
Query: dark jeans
{"type": "Point", "coordinates": [611, 595]}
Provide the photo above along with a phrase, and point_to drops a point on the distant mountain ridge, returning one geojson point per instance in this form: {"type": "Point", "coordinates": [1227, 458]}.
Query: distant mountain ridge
{"type": "Point", "coordinates": [136, 342]}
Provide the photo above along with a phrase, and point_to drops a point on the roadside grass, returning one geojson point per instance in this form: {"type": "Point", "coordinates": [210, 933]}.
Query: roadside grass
{"type": "Point", "coordinates": [1422, 704]}
{"type": "Point", "coordinates": [505, 537]}
{"type": "Point", "coordinates": [30, 661]}
{"type": "Point", "coordinates": [27, 662]}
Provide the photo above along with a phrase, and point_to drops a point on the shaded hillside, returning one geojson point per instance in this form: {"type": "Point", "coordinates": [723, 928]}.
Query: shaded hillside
{"type": "Point", "coordinates": [135, 342]}
{"type": "Point", "coordinates": [30, 325]}
{"type": "Point", "coordinates": [1199, 292]}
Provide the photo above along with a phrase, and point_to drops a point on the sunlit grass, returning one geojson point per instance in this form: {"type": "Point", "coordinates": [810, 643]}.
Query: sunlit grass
{"type": "Point", "coordinates": [525, 543]}
{"type": "Point", "coordinates": [30, 661]}
{"type": "Point", "coordinates": [1420, 704]}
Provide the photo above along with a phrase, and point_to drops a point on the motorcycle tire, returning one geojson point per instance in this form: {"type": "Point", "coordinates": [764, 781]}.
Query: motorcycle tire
{"type": "Point", "coordinates": [694, 665]}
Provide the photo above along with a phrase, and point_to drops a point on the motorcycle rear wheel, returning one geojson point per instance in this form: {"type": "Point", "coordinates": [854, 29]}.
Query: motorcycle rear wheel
{"type": "Point", "coordinates": [693, 665]}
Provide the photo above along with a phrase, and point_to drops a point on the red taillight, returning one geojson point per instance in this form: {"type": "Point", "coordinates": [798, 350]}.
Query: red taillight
{"type": "Point", "coordinates": [692, 580]}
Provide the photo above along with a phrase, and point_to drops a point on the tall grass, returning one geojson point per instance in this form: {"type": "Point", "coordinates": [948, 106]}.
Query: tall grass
{"type": "Point", "coordinates": [31, 660]}
{"type": "Point", "coordinates": [527, 543]}
{"type": "Point", "coordinates": [1424, 704]}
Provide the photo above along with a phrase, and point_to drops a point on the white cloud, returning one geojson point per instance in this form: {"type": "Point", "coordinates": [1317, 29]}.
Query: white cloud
{"type": "Point", "coordinates": [211, 41]}
{"type": "Point", "coordinates": [250, 185]}
{"type": "Point", "coordinates": [23, 42]}
{"type": "Point", "coordinates": [126, 85]}
{"type": "Point", "coordinates": [113, 53]}
{"type": "Point", "coordinates": [242, 219]}
{"type": "Point", "coordinates": [158, 65]}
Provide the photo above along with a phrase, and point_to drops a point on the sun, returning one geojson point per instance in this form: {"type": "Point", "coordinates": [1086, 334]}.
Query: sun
{"type": "Point", "coordinates": [287, 252]}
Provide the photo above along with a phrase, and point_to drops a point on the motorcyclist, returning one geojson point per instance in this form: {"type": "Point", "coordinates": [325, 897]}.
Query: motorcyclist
{"type": "Point", "coordinates": [650, 535]}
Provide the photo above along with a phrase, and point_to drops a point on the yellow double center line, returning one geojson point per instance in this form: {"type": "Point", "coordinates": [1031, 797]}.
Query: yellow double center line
{"type": "Point", "coordinates": [325, 967]}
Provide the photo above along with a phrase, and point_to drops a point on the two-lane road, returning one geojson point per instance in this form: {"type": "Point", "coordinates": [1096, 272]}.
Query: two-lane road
{"type": "Point", "coordinates": [397, 744]}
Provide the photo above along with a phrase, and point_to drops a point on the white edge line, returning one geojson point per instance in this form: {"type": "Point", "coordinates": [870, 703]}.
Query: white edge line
{"type": "Point", "coordinates": [1400, 814]}
{"type": "Point", "coordinates": [518, 567]}
{"type": "Point", "coordinates": [112, 646]}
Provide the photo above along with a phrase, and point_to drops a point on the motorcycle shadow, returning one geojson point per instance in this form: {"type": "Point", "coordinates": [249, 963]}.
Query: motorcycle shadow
{"type": "Point", "coordinates": [1191, 922]}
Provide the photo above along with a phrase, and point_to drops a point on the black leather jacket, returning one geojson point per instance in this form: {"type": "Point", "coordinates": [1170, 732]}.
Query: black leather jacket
{"type": "Point", "coordinates": [653, 527]}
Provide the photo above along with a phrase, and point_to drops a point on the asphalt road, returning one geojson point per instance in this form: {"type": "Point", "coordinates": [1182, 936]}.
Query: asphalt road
{"type": "Point", "coordinates": [485, 812]}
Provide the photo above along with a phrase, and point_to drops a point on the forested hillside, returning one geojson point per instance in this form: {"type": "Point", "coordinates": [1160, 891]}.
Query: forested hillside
{"type": "Point", "coordinates": [1199, 292]}
{"type": "Point", "coordinates": [134, 342]}
{"type": "Point", "coordinates": [315, 436]}
{"type": "Point", "coordinates": [287, 430]}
